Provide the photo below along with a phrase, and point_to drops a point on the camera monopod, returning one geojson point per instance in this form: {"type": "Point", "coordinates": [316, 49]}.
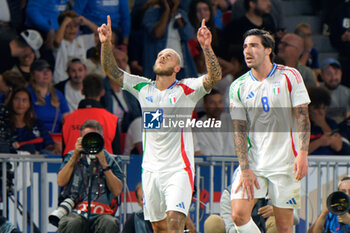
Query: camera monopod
{"type": "Point", "coordinates": [92, 144]}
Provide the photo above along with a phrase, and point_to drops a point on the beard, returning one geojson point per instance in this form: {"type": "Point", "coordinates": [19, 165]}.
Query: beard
{"type": "Point", "coordinates": [163, 71]}
{"type": "Point", "coordinates": [260, 12]}
{"type": "Point", "coordinates": [331, 86]}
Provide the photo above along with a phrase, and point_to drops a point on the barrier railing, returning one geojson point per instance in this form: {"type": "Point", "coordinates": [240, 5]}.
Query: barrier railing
{"type": "Point", "coordinates": [28, 208]}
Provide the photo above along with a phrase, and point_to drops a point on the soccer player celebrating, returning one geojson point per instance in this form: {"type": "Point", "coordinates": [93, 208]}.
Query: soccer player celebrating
{"type": "Point", "coordinates": [168, 161]}
{"type": "Point", "coordinates": [269, 107]}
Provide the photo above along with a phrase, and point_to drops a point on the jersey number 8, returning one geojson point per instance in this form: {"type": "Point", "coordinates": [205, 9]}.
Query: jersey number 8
{"type": "Point", "coordinates": [265, 104]}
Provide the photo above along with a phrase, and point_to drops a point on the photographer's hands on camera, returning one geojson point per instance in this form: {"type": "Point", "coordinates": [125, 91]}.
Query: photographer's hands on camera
{"type": "Point", "coordinates": [345, 218]}
{"type": "Point", "coordinates": [79, 151]}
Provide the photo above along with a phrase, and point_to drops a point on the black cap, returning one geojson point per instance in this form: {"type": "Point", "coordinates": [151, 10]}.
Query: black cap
{"type": "Point", "coordinates": [39, 65]}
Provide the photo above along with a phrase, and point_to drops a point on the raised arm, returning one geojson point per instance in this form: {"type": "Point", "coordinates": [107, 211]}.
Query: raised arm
{"type": "Point", "coordinates": [301, 163]}
{"type": "Point", "coordinates": [214, 75]}
{"type": "Point", "coordinates": [108, 61]}
{"type": "Point", "coordinates": [318, 225]}
{"type": "Point", "coordinates": [60, 32]}
{"type": "Point", "coordinates": [66, 172]}
{"type": "Point", "coordinates": [85, 22]}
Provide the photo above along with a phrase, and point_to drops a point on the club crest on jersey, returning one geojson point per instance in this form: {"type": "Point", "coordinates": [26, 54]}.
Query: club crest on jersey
{"type": "Point", "coordinates": [172, 98]}
{"type": "Point", "coordinates": [276, 88]}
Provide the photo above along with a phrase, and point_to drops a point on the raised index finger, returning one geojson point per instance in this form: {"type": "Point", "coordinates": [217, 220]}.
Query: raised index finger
{"type": "Point", "coordinates": [203, 23]}
{"type": "Point", "coordinates": [109, 23]}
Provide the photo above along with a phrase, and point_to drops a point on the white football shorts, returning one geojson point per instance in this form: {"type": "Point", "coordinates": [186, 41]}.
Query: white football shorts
{"type": "Point", "coordinates": [282, 189]}
{"type": "Point", "coordinates": [163, 192]}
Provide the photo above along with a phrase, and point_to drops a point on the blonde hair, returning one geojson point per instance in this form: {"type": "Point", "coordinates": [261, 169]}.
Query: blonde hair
{"type": "Point", "coordinates": [41, 100]}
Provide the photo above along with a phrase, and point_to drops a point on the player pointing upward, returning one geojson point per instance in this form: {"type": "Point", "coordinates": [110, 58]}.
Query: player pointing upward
{"type": "Point", "coordinates": [168, 162]}
{"type": "Point", "coordinates": [268, 106]}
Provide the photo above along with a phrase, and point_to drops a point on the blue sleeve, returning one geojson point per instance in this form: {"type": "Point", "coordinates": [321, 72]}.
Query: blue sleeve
{"type": "Point", "coordinates": [79, 6]}
{"type": "Point", "coordinates": [124, 18]}
{"type": "Point", "coordinates": [35, 17]}
{"type": "Point", "coordinates": [44, 134]}
{"type": "Point", "coordinates": [63, 102]}
{"type": "Point", "coordinates": [186, 32]}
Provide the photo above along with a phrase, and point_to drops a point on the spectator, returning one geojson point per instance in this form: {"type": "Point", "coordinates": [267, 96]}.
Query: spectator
{"type": "Point", "coordinates": [69, 43]}
{"type": "Point", "coordinates": [72, 87]}
{"type": "Point", "coordinates": [23, 64]}
{"type": "Point", "coordinates": [339, 28]}
{"type": "Point", "coordinates": [214, 141]}
{"type": "Point", "coordinates": [257, 16]}
{"type": "Point", "coordinates": [137, 32]}
{"type": "Point", "coordinates": [309, 57]}
{"type": "Point", "coordinates": [136, 222]}
{"type": "Point", "coordinates": [345, 128]}
{"type": "Point", "coordinates": [50, 105]}
{"type": "Point", "coordinates": [328, 222]}
{"type": "Point", "coordinates": [107, 183]}
{"type": "Point", "coordinates": [167, 26]}
{"type": "Point", "coordinates": [10, 81]}
{"type": "Point", "coordinates": [93, 62]}
{"type": "Point", "coordinates": [199, 10]}
{"type": "Point", "coordinates": [42, 15]}
{"type": "Point", "coordinates": [121, 103]}
{"type": "Point", "coordinates": [30, 134]}
{"type": "Point", "coordinates": [238, 10]}
{"type": "Point", "coordinates": [97, 11]}
{"type": "Point", "coordinates": [219, 6]}
{"type": "Point", "coordinates": [11, 17]}
{"type": "Point", "coordinates": [90, 108]}
{"type": "Point", "coordinates": [331, 75]}
{"type": "Point", "coordinates": [133, 140]}
{"type": "Point", "coordinates": [20, 46]}
{"type": "Point", "coordinates": [325, 138]}
{"type": "Point", "coordinates": [135, 44]}
{"type": "Point", "coordinates": [235, 57]}
{"type": "Point", "coordinates": [290, 49]}
{"type": "Point", "coordinates": [214, 224]}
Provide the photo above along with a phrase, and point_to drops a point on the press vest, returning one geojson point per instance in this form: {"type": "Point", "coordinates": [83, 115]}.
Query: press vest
{"type": "Point", "coordinates": [74, 120]}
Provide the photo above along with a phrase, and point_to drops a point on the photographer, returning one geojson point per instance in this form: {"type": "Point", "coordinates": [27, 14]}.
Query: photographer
{"type": "Point", "coordinates": [329, 222]}
{"type": "Point", "coordinates": [106, 184]}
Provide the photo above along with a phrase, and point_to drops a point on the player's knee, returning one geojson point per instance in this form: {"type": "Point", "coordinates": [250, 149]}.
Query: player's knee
{"type": "Point", "coordinates": [239, 218]}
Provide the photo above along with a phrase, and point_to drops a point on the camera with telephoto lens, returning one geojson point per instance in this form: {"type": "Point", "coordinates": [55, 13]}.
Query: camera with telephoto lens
{"type": "Point", "coordinates": [338, 203]}
{"type": "Point", "coordinates": [63, 209]}
{"type": "Point", "coordinates": [92, 144]}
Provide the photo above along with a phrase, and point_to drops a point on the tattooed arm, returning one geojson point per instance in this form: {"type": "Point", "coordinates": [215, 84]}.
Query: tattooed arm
{"type": "Point", "coordinates": [214, 70]}
{"type": "Point", "coordinates": [301, 163]}
{"type": "Point", "coordinates": [248, 178]}
{"type": "Point", "coordinates": [108, 61]}
{"type": "Point", "coordinates": [240, 142]}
